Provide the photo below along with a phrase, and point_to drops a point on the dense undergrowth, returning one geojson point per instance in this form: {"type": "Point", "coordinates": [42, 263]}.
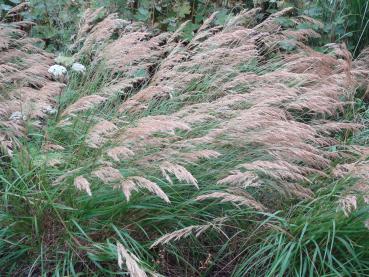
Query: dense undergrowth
{"type": "Point", "coordinates": [51, 227]}
{"type": "Point", "coordinates": [48, 229]}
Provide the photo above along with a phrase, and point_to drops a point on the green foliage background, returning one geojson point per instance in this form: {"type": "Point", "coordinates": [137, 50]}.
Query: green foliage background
{"type": "Point", "coordinates": [344, 20]}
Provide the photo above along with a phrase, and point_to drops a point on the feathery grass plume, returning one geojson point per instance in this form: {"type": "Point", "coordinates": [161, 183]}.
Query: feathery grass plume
{"type": "Point", "coordinates": [328, 128]}
{"type": "Point", "coordinates": [65, 122]}
{"type": "Point", "coordinates": [278, 170]}
{"type": "Point", "coordinates": [361, 151]}
{"type": "Point", "coordinates": [103, 162]}
{"type": "Point", "coordinates": [52, 147]}
{"type": "Point", "coordinates": [190, 143]}
{"type": "Point", "coordinates": [302, 34]}
{"type": "Point", "coordinates": [358, 169]}
{"type": "Point", "coordinates": [89, 18]}
{"type": "Point", "coordinates": [14, 11]}
{"type": "Point", "coordinates": [181, 173]}
{"type": "Point", "coordinates": [316, 63]}
{"type": "Point", "coordinates": [24, 79]}
{"type": "Point", "coordinates": [40, 103]}
{"type": "Point", "coordinates": [118, 153]}
{"type": "Point", "coordinates": [211, 51]}
{"type": "Point", "coordinates": [271, 24]}
{"type": "Point", "coordinates": [246, 18]}
{"type": "Point", "coordinates": [139, 101]}
{"type": "Point", "coordinates": [347, 204]}
{"type": "Point", "coordinates": [342, 170]}
{"type": "Point", "coordinates": [133, 51]}
{"type": "Point", "coordinates": [253, 118]}
{"type": "Point", "coordinates": [283, 132]}
{"type": "Point", "coordinates": [150, 186]}
{"type": "Point", "coordinates": [6, 147]}
{"type": "Point", "coordinates": [307, 19]}
{"type": "Point", "coordinates": [319, 104]}
{"type": "Point", "coordinates": [196, 118]}
{"type": "Point", "coordinates": [54, 162]}
{"type": "Point", "coordinates": [182, 233]}
{"type": "Point", "coordinates": [127, 186]}
{"type": "Point", "coordinates": [298, 191]}
{"type": "Point", "coordinates": [107, 174]}
{"type": "Point", "coordinates": [98, 134]}
{"type": "Point", "coordinates": [69, 173]}
{"type": "Point", "coordinates": [135, 182]}
{"type": "Point", "coordinates": [82, 184]}
{"type": "Point", "coordinates": [244, 199]}
{"type": "Point", "coordinates": [361, 188]}
{"type": "Point", "coordinates": [186, 231]}
{"type": "Point", "coordinates": [10, 133]}
{"type": "Point", "coordinates": [154, 124]}
{"type": "Point", "coordinates": [200, 154]}
{"type": "Point", "coordinates": [295, 152]}
{"type": "Point", "coordinates": [99, 34]}
{"type": "Point", "coordinates": [238, 178]}
{"type": "Point", "coordinates": [343, 53]}
{"type": "Point", "coordinates": [130, 260]}
{"type": "Point", "coordinates": [83, 104]}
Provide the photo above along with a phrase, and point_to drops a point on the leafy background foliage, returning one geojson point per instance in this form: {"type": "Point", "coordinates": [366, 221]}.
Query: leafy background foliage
{"type": "Point", "coordinates": [345, 20]}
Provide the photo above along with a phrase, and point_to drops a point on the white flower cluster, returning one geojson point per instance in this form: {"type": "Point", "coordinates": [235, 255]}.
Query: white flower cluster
{"type": "Point", "coordinates": [59, 72]}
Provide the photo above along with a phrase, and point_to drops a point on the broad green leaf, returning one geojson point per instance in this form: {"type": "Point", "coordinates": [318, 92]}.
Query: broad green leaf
{"type": "Point", "coordinates": [182, 9]}
{"type": "Point", "coordinates": [143, 14]}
